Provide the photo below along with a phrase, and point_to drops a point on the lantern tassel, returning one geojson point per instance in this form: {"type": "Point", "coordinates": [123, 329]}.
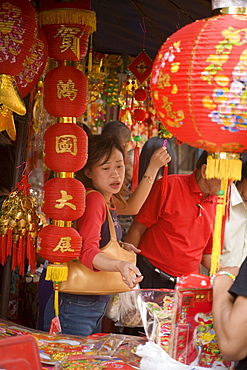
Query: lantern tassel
{"type": "Point", "coordinates": [31, 255]}
{"type": "Point", "coordinates": [56, 299]}
{"type": "Point", "coordinates": [217, 237]}
{"type": "Point", "coordinates": [3, 248]}
{"type": "Point", "coordinates": [9, 242]}
{"type": "Point", "coordinates": [224, 166]}
{"type": "Point", "coordinates": [57, 272]}
{"type": "Point", "coordinates": [72, 16]}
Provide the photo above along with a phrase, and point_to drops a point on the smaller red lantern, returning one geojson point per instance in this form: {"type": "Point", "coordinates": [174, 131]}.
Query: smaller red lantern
{"type": "Point", "coordinates": [141, 94]}
{"type": "Point", "coordinates": [139, 114]}
{"type": "Point", "coordinates": [65, 147]}
{"type": "Point", "coordinates": [59, 244]}
{"type": "Point", "coordinates": [67, 41]}
{"type": "Point", "coordinates": [65, 92]}
{"type": "Point", "coordinates": [64, 199]}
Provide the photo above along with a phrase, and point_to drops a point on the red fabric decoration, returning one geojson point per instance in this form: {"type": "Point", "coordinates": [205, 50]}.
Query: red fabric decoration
{"type": "Point", "coordinates": [33, 65]}
{"type": "Point", "coordinates": [141, 94]}
{"type": "Point", "coordinates": [59, 244]}
{"type": "Point", "coordinates": [64, 199]}
{"type": "Point", "coordinates": [141, 67]}
{"type": "Point", "coordinates": [198, 84]}
{"type": "Point", "coordinates": [139, 114]}
{"type": "Point", "coordinates": [67, 41]}
{"type": "Point", "coordinates": [65, 147]}
{"type": "Point", "coordinates": [18, 27]}
{"type": "Point", "coordinates": [65, 92]}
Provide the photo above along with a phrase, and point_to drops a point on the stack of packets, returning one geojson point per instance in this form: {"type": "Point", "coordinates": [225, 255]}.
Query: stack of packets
{"type": "Point", "coordinates": [193, 340]}
{"type": "Point", "coordinates": [179, 321]}
{"type": "Point", "coordinates": [98, 351]}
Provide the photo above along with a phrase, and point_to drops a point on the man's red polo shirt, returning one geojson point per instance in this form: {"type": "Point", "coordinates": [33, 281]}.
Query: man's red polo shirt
{"type": "Point", "coordinates": [178, 231]}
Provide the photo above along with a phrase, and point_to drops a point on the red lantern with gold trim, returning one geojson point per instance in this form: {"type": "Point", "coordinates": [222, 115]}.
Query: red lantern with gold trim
{"type": "Point", "coordinates": [65, 147]}
{"type": "Point", "coordinates": [65, 92]}
{"type": "Point", "coordinates": [64, 199]}
{"type": "Point", "coordinates": [59, 244]}
{"type": "Point", "coordinates": [199, 81]}
{"type": "Point", "coordinates": [67, 26]}
{"type": "Point", "coordinates": [67, 41]}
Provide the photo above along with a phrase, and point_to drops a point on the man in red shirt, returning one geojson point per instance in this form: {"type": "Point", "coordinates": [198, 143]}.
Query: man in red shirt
{"type": "Point", "coordinates": [175, 233]}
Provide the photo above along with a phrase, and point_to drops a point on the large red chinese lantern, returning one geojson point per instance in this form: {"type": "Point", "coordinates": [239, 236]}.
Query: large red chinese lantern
{"type": "Point", "coordinates": [18, 35]}
{"type": "Point", "coordinates": [198, 87]}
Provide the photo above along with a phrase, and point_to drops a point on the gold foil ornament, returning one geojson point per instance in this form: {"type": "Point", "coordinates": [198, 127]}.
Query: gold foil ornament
{"type": "Point", "coordinates": [7, 122]}
{"type": "Point", "coordinates": [9, 95]}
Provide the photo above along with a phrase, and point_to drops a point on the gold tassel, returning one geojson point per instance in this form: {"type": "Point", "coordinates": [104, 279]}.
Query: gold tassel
{"type": "Point", "coordinates": [90, 56]}
{"type": "Point", "coordinates": [224, 166]}
{"type": "Point", "coordinates": [220, 211]}
{"type": "Point", "coordinates": [69, 16]}
{"type": "Point", "coordinates": [57, 272]}
{"type": "Point", "coordinates": [56, 299]}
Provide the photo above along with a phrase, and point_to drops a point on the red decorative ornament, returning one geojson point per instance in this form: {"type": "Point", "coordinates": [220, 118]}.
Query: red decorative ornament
{"type": "Point", "coordinates": [198, 84]}
{"type": "Point", "coordinates": [139, 114]}
{"type": "Point", "coordinates": [59, 244]}
{"type": "Point", "coordinates": [65, 147]}
{"type": "Point", "coordinates": [65, 92]}
{"type": "Point", "coordinates": [141, 94]}
{"type": "Point", "coordinates": [141, 67]}
{"type": "Point", "coordinates": [64, 199]}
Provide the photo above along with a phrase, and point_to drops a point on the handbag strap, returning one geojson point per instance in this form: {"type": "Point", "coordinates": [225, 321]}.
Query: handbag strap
{"type": "Point", "coordinates": [112, 230]}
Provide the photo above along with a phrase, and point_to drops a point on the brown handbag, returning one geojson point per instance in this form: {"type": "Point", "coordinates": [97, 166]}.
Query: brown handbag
{"type": "Point", "coordinates": [82, 280]}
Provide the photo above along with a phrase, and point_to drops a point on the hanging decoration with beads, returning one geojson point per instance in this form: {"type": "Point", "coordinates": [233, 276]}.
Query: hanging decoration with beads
{"type": "Point", "coordinates": [94, 117]}
{"type": "Point", "coordinates": [20, 223]}
{"type": "Point", "coordinates": [67, 26]}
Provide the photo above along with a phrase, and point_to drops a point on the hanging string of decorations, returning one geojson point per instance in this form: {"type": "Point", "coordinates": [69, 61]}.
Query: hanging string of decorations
{"type": "Point", "coordinates": [67, 26]}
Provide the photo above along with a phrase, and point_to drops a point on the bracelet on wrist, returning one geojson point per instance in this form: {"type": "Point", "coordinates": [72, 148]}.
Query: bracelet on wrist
{"type": "Point", "coordinates": [221, 273]}
{"type": "Point", "coordinates": [149, 179]}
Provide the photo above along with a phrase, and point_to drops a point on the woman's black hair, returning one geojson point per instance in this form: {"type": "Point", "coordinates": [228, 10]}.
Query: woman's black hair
{"type": "Point", "coordinates": [147, 151]}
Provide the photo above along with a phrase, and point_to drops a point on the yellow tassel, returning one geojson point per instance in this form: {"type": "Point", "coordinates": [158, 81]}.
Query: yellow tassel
{"type": "Point", "coordinates": [90, 57]}
{"type": "Point", "coordinates": [57, 272]}
{"type": "Point", "coordinates": [220, 211]}
{"type": "Point", "coordinates": [224, 166]}
{"type": "Point", "coordinates": [56, 299]}
{"type": "Point", "coordinates": [69, 16]}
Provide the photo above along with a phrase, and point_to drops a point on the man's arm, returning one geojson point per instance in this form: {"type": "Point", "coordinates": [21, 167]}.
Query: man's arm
{"type": "Point", "coordinates": [229, 318]}
{"type": "Point", "coordinates": [135, 233]}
